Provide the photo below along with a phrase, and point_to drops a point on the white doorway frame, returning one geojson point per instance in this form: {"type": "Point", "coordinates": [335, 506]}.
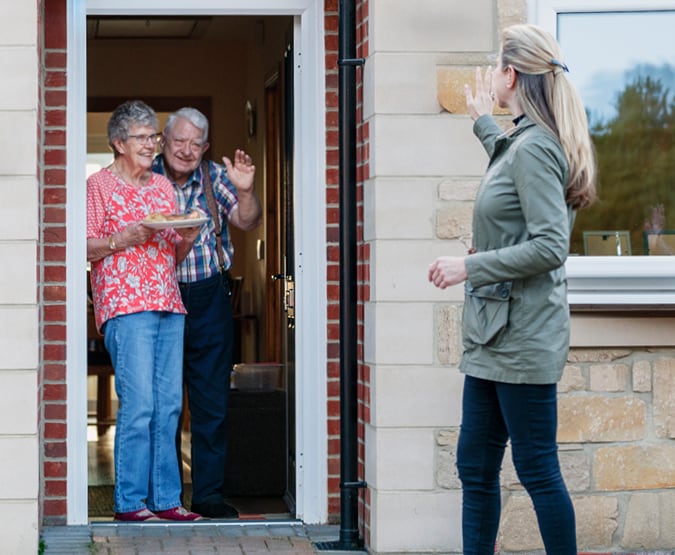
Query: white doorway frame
{"type": "Point", "coordinates": [310, 243]}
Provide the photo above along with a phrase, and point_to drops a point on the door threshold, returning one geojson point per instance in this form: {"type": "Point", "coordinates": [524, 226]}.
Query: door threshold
{"type": "Point", "coordinates": [243, 523]}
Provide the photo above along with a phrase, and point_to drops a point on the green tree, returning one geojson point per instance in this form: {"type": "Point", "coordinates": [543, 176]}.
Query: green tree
{"type": "Point", "coordinates": [636, 165]}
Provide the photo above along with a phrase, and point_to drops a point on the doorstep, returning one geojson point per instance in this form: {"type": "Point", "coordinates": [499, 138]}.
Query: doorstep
{"type": "Point", "coordinates": [106, 538]}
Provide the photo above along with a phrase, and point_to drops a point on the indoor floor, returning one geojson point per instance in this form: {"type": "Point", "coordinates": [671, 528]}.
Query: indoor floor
{"type": "Point", "coordinates": [100, 442]}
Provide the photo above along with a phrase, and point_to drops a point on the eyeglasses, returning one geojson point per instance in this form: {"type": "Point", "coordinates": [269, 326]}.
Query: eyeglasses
{"type": "Point", "coordinates": [145, 139]}
{"type": "Point", "coordinates": [195, 146]}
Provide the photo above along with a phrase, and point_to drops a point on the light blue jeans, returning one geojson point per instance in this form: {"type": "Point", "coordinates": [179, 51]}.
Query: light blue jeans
{"type": "Point", "coordinates": [147, 353]}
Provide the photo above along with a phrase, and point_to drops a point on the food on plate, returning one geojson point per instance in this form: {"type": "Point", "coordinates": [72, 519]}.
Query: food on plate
{"type": "Point", "coordinates": [159, 217]}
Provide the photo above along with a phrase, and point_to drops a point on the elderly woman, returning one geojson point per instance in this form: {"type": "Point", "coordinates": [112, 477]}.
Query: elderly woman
{"type": "Point", "coordinates": [138, 309]}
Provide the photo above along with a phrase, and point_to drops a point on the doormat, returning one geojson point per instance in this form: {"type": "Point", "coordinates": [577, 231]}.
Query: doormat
{"type": "Point", "coordinates": [250, 508]}
{"type": "Point", "coordinates": [101, 499]}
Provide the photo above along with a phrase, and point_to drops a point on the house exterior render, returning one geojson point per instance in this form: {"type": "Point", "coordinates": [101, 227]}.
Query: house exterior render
{"type": "Point", "coordinates": [418, 170]}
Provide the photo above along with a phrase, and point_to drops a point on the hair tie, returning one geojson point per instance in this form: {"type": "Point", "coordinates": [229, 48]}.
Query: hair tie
{"type": "Point", "coordinates": [558, 63]}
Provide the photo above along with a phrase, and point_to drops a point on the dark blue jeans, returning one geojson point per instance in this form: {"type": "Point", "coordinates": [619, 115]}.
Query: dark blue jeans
{"type": "Point", "coordinates": [492, 413]}
{"type": "Point", "coordinates": [207, 363]}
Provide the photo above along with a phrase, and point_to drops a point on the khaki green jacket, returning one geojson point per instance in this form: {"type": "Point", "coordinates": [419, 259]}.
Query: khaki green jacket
{"type": "Point", "coordinates": [516, 317]}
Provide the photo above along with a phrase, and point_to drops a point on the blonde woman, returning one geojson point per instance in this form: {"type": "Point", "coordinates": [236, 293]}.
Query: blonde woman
{"type": "Point", "coordinates": [516, 317]}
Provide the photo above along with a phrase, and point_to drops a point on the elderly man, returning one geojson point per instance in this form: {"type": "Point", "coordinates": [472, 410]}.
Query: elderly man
{"type": "Point", "coordinates": [226, 194]}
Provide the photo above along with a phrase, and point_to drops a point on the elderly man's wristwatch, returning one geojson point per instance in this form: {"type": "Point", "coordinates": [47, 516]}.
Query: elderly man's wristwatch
{"type": "Point", "coordinates": [111, 243]}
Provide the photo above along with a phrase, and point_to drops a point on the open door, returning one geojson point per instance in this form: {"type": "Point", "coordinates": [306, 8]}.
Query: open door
{"type": "Point", "coordinates": [279, 237]}
{"type": "Point", "coordinates": [259, 473]}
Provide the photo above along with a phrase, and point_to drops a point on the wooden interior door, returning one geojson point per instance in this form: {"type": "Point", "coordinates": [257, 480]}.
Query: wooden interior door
{"type": "Point", "coordinates": [280, 238]}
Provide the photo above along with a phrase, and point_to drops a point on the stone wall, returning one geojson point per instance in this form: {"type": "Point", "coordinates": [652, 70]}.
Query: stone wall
{"type": "Point", "coordinates": [616, 412]}
{"type": "Point", "coordinates": [19, 326]}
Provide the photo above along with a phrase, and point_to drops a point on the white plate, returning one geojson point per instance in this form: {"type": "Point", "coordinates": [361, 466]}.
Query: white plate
{"type": "Point", "coordinates": [176, 223]}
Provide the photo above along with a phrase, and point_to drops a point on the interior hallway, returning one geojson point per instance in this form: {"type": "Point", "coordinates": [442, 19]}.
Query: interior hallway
{"type": "Point", "coordinates": [101, 474]}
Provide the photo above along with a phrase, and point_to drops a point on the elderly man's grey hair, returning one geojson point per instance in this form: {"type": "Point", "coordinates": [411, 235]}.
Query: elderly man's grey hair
{"type": "Point", "coordinates": [127, 114]}
{"type": "Point", "coordinates": [194, 116]}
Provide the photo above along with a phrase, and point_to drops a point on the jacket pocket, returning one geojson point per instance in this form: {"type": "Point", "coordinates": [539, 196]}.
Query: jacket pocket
{"type": "Point", "coordinates": [486, 311]}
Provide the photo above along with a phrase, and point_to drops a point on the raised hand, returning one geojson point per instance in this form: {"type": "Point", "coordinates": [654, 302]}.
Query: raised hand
{"type": "Point", "coordinates": [241, 172]}
{"type": "Point", "coordinates": [483, 101]}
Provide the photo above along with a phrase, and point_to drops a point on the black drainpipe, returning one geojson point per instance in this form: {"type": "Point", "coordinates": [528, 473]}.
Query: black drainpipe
{"type": "Point", "coordinates": [349, 483]}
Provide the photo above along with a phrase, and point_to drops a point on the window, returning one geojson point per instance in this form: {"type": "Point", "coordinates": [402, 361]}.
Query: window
{"type": "Point", "coordinates": [621, 56]}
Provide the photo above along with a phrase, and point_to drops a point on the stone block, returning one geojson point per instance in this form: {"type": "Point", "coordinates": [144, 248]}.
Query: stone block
{"type": "Point", "coordinates": [596, 520]}
{"type": "Point", "coordinates": [19, 342]}
{"type": "Point", "coordinates": [449, 326]}
{"type": "Point", "coordinates": [20, 529]}
{"type": "Point", "coordinates": [416, 396]}
{"type": "Point", "coordinates": [18, 211]}
{"type": "Point", "coordinates": [18, 24]}
{"type": "Point", "coordinates": [18, 280]}
{"type": "Point", "coordinates": [18, 148]}
{"type": "Point", "coordinates": [447, 438]}
{"type": "Point", "coordinates": [400, 459]}
{"type": "Point", "coordinates": [431, 26]}
{"type": "Point", "coordinates": [413, 522]}
{"type": "Point", "coordinates": [601, 419]}
{"type": "Point", "coordinates": [446, 459]}
{"type": "Point", "coordinates": [450, 83]}
{"type": "Point", "coordinates": [572, 380]}
{"type": "Point", "coordinates": [401, 83]}
{"type": "Point", "coordinates": [510, 12]}
{"type": "Point", "coordinates": [454, 222]}
{"type": "Point", "coordinates": [399, 208]}
{"type": "Point", "coordinates": [389, 342]}
{"type": "Point", "coordinates": [458, 189]}
{"type": "Point", "coordinates": [424, 146]}
{"type": "Point", "coordinates": [664, 397]}
{"type": "Point", "coordinates": [642, 376]}
{"type": "Point", "coordinates": [576, 470]}
{"type": "Point", "coordinates": [18, 405]}
{"type": "Point", "coordinates": [401, 270]}
{"type": "Point", "coordinates": [634, 467]}
{"type": "Point", "coordinates": [596, 355]}
{"type": "Point", "coordinates": [518, 530]}
{"type": "Point", "coordinates": [641, 530]}
{"type": "Point", "coordinates": [19, 458]}
{"type": "Point", "coordinates": [649, 521]}
{"type": "Point", "coordinates": [19, 92]}
{"type": "Point", "coordinates": [608, 377]}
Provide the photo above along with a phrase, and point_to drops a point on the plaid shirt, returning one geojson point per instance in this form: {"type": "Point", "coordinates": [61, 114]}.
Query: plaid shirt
{"type": "Point", "coordinates": [202, 261]}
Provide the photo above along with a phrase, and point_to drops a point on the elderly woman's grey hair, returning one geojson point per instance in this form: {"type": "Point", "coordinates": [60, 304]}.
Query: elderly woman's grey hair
{"type": "Point", "coordinates": [194, 116]}
{"type": "Point", "coordinates": [127, 114]}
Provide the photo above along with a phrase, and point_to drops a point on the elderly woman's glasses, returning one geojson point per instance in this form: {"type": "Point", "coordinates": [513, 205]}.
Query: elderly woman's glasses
{"type": "Point", "coordinates": [146, 139]}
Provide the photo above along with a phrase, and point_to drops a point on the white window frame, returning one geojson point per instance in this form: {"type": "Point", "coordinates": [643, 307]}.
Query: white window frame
{"type": "Point", "coordinates": [602, 281]}
{"type": "Point", "coordinates": [310, 235]}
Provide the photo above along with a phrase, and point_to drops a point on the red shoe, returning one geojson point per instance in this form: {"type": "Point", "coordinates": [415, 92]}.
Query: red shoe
{"type": "Point", "coordinates": [178, 513]}
{"type": "Point", "coordinates": [136, 516]}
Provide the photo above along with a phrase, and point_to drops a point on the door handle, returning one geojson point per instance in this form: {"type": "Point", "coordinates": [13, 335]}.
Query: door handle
{"type": "Point", "coordinates": [289, 297]}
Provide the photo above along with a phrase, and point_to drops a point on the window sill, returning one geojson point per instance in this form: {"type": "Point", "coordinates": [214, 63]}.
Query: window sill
{"type": "Point", "coordinates": [644, 283]}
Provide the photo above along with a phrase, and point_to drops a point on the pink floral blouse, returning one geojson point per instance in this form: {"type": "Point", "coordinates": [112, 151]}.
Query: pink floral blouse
{"type": "Point", "coordinates": [138, 278]}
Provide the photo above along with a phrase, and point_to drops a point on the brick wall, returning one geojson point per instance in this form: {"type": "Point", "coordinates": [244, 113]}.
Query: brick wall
{"type": "Point", "coordinates": [331, 20]}
{"type": "Point", "coordinates": [331, 23]}
{"type": "Point", "coordinates": [364, 261]}
{"type": "Point", "coordinates": [52, 257]}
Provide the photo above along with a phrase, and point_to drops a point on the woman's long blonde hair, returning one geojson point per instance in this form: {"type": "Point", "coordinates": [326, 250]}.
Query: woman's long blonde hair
{"type": "Point", "coordinates": [549, 99]}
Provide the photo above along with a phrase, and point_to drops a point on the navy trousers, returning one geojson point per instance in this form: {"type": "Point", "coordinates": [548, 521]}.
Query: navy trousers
{"type": "Point", "coordinates": [207, 364]}
{"type": "Point", "coordinates": [492, 413]}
